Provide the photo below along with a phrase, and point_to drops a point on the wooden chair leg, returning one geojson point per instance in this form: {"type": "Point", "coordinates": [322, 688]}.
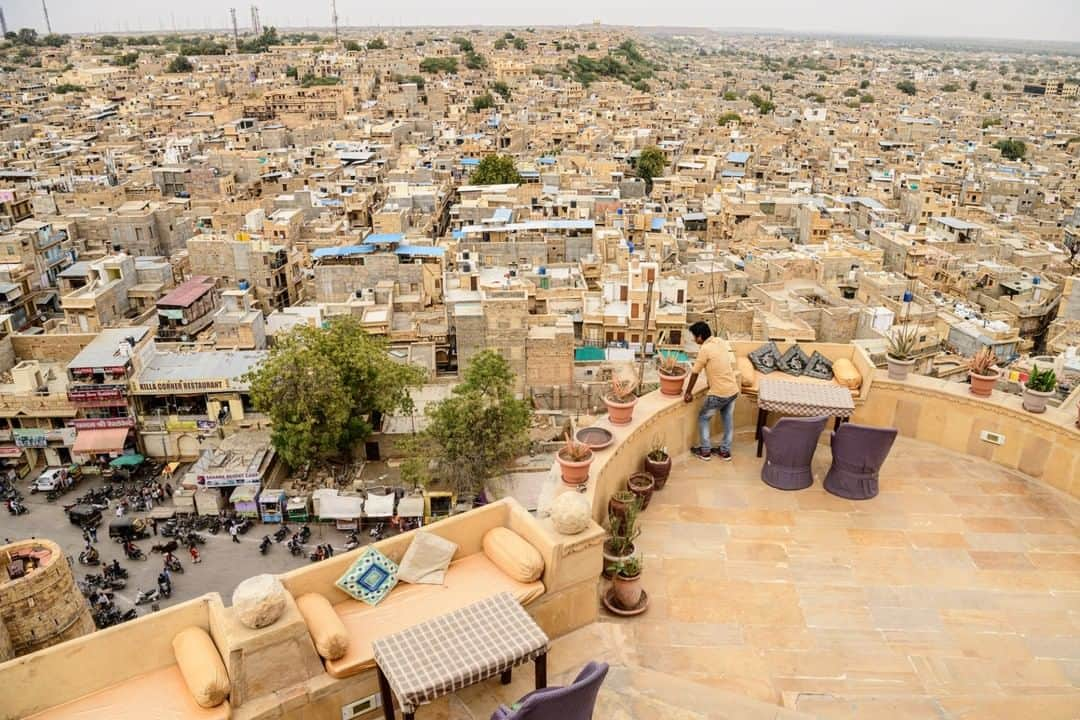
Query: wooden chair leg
{"type": "Point", "coordinates": [506, 676]}
{"type": "Point", "coordinates": [541, 671]}
{"type": "Point", "coordinates": [387, 696]}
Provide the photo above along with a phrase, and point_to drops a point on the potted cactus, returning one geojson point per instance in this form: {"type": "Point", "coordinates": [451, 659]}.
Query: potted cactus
{"type": "Point", "coordinates": [620, 501]}
{"type": "Point", "coordinates": [620, 400]}
{"type": "Point", "coordinates": [626, 583]}
{"type": "Point", "coordinates": [622, 532]}
{"type": "Point", "coordinates": [983, 372]}
{"type": "Point", "coordinates": [901, 353]}
{"type": "Point", "coordinates": [1040, 386]}
{"type": "Point", "coordinates": [642, 484]}
{"type": "Point", "coordinates": [574, 459]}
{"type": "Point", "coordinates": [672, 374]}
{"type": "Point", "coordinates": [658, 462]}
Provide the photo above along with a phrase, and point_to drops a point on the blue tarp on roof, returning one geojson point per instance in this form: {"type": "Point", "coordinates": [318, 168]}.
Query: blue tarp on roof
{"type": "Point", "coordinates": [733, 173]}
{"type": "Point", "coordinates": [420, 250]}
{"type": "Point", "coordinates": [658, 223]}
{"type": "Point", "coordinates": [458, 234]}
{"type": "Point", "coordinates": [383, 238]}
{"type": "Point", "coordinates": [470, 162]}
{"type": "Point", "coordinates": [502, 215]}
{"type": "Point", "coordinates": [546, 160]}
{"type": "Point", "coordinates": [589, 354]}
{"type": "Point", "coordinates": [738, 157]}
{"type": "Point", "coordinates": [342, 251]}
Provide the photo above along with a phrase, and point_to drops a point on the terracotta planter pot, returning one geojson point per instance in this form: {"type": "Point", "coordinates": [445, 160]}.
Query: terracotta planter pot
{"type": "Point", "coordinates": [618, 506]}
{"type": "Point", "coordinates": [672, 385]}
{"type": "Point", "coordinates": [642, 484]}
{"type": "Point", "coordinates": [899, 369]}
{"type": "Point", "coordinates": [983, 385]}
{"type": "Point", "coordinates": [659, 469]}
{"type": "Point", "coordinates": [574, 472]}
{"type": "Point", "coordinates": [611, 558]}
{"type": "Point", "coordinates": [620, 413]}
{"type": "Point", "coordinates": [627, 591]}
{"type": "Point", "coordinates": [1035, 401]}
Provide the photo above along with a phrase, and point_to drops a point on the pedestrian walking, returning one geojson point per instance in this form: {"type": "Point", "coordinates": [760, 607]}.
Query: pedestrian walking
{"type": "Point", "coordinates": [234, 534]}
{"type": "Point", "coordinates": [329, 550]}
{"type": "Point", "coordinates": [86, 536]}
{"type": "Point", "coordinates": [195, 559]}
{"type": "Point", "coordinates": [93, 534]}
{"type": "Point", "coordinates": [153, 525]}
{"type": "Point", "coordinates": [119, 511]}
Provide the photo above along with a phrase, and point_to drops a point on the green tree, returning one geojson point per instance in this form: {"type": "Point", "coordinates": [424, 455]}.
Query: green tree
{"type": "Point", "coordinates": [483, 102]}
{"type": "Point", "coordinates": [728, 117]}
{"type": "Point", "coordinates": [864, 84]}
{"type": "Point", "coordinates": [326, 388]}
{"type": "Point", "coordinates": [54, 40]}
{"type": "Point", "coordinates": [591, 46]}
{"type": "Point", "coordinates": [179, 64]}
{"type": "Point", "coordinates": [65, 88]}
{"type": "Point", "coordinates": [475, 61]}
{"type": "Point", "coordinates": [650, 164]}
{"type": "Point", "coordinates": [26, 36]}
{"type": "Point", "coordinates": [972, 85]}
{"type": "Point", "coordinates": [851, 92]}
{"type": "Point", "coordinates": [1012, 149]}
{"type": "Point", "coordinates": [730, 95]}
{"type": "Point", "coordinates": [291, 71]}
{"type": "Point", "coordinates": [990, 122]}
{"type": "Point", "coordinates": [477, 432]}
{"type": "Point", "coordinates": [109, 41]}
{"type": "Point", "coordinates": [502, 89]}
{"type": "Point", "coordinates": [495, 170]}
{"type": "Point", "coordinates": [866, 98]}
{"type": "Point", "coordinates": [352, 46]}
{"type": "Point", "coordinates": [519, 44]}
{"type": "Point", "coordinates": [764, 107]}
{"type": "Point", "coordinates": [126, 60]}
{"type": "Point", "coordinates": [310, 80]}
{"type": "Point", "coordinates": [500, 44]}
{"type": "Point", "coordinates": [787, 76]}
{"type": "Point", "coordinates": [435, 65]}
{"type": "Point", "coordinates": [376, 44]}
{"type": "Point", "coordinates": [950, 87]}
{"type": "Point", "coordinates": [464, 44]}
{"type": "Point", "coordinates": [987, 95]}
{"type": "Point", "coordinates": [906, 86]}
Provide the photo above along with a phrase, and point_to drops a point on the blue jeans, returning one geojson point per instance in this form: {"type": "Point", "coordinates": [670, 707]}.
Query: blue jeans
{"type": "Point", "coordinates": [726, 407]}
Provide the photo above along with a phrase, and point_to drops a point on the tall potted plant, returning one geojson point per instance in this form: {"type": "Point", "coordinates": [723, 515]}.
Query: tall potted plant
{"type": "Point", "coordinates": [574, 460]}
{"type": "Point", "coordinates": [901, 353]}
{"type": "Point", "coordinates": [658, 462]}
{"type": "Point", "coordinates": [620, 400]}
{"type": "Point", "coordinates": [622, 532]}
{"type": "Point", "coordinates": [982, 369]}
{"type": "Point", "coordinates": [641, 484]}
{"type": "Point", "coordinates": [626, 583]}
{"type": "Point", "coordinates": [1040, 386]}
{"type": "Point", "coordinates": [672, 374]}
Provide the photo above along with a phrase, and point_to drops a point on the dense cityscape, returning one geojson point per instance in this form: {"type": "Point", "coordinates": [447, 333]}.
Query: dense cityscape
{"type": "Point", "coordinates": [344, 368]}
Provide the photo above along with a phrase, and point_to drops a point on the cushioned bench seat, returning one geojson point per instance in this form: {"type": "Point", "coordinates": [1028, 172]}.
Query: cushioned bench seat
{"type": "Point", "coordinates": [469, 579]}
{"type": "Point", "coordinates": [749, 377]}
{"type": "Point", "coordinates": [158, 695]}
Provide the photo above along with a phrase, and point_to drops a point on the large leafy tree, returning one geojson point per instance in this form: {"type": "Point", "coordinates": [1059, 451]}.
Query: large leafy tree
{"type": "Point", "coordinates": [480, 429]}
{"type": "Point", "coordinates": [650, 164]}
{"type": "Point", "coordinates": [324, 388]}
{"type": "Point", "coordinates": [495, 170]}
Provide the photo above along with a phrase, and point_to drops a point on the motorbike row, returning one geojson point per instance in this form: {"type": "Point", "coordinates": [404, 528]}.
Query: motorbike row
{"type": "Point", "coordinates": [12, 498]}
{"type": "Point", "coordinates": [99, 590]}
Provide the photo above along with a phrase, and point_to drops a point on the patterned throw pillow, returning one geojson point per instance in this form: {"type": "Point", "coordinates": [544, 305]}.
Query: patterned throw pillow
{"type": "Point", "coordinates": [820, 367]}
{"type": "Point", "coordinates": [794, 361]}
{"type": "Point", "coordinates": [370, 578]}
{"type": "Point", "coordinates": [766, 358]}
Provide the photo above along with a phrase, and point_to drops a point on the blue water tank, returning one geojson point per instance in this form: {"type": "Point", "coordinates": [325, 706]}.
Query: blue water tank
{"type": "Point", "coordinates": [542, 270]}
{"type": "Point", "coordinates": [243, 284]}
{"type": "Point", "coordinates": [1036, 280]}
{"type": "Point", "coordinates": [618, 211]}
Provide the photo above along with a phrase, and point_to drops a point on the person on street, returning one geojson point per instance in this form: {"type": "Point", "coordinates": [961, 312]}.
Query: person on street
{"type": "Point", "coordinates": [233, 532]}
{"type": "Point", "coordinates": [119, 511]}
{"type": "Point", "coordinates": [714, 359]}
{"type": "Point", "coordinates": [153, 525]}
{"type": "Point", "coordinates": [93, 534]}
{"type": "Point", "coordinates": [195, 559]}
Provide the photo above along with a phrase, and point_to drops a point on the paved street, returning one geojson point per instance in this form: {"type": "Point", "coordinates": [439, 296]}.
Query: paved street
{"type": "Point", "coordinates": [223, 566]}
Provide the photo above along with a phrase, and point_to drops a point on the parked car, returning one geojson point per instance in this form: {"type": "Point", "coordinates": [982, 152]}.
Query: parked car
{"type": "Point", "coordinates": [53, 478]}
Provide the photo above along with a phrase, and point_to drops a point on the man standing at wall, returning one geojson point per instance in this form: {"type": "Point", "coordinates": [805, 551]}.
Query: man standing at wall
{"type": "Point", "coordinates": [714, 358]}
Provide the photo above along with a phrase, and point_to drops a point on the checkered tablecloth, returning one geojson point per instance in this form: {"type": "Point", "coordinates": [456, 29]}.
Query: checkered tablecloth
{"type": "Point", "coordinates": [804, 399]}
{"type": "Point", "coordinates": [458, 649]}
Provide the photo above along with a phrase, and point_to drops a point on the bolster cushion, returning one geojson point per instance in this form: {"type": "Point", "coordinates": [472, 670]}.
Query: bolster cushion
{"type": "Point", "coordinates": [846, 374]}
{"type": "Point", "coordinates": [327, 631]}
{"type": "Point", "coordinates": [201, 665]}
{"type": "Point", "coordinates": [746, 371]}
{"type": "Point", "coordinates": [513, 554]}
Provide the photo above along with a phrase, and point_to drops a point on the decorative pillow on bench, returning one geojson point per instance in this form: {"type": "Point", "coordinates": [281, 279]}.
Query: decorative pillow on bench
{"type": "Point", "coordinates": [820, 367]}
{"type": "Point", "coordinates": [426, 560]}
{"type": "Point", "coordinates": [200, 664]}
{"type": "Point", "coordinates": [794, 361]}
{"type": "Point", "coordinates": [370, 578]}
{"type": "Point", "coordinates": [766, 358]}
{"type": "Point", "coordinates": [513, 554]}
{"type": "Point", "coordinates": [327, 631]}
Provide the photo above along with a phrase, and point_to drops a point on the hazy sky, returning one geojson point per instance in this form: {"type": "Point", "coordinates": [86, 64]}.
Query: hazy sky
{"type": "Point", "coordinates": [1022, 19]}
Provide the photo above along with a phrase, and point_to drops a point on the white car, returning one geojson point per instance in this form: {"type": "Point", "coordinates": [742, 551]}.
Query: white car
{"type": "Point", "coordinates": [50, 479]}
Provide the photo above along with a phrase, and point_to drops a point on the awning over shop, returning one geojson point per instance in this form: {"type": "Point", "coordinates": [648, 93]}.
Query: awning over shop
{"type": "Point", "coordinates": [126, 460]}
{"type": "Point", "coordinates": [341, 507]}
{"type": "Point", "coordinates": [100, 440]}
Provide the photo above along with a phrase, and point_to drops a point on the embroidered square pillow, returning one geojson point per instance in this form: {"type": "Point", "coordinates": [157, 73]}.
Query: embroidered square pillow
{"type": "Point", "coordinates": [794, 361]}
{"type": "Point", "coordinates": [370, 578]}
{"type": "Point", "coordinates": [820, 367]}
{"type": "Point", "coordinates": [766, 358]}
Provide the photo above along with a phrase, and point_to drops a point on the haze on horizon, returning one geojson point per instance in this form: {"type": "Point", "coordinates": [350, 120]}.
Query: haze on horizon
{"type": "Point", "coordinates": [1049, 20]}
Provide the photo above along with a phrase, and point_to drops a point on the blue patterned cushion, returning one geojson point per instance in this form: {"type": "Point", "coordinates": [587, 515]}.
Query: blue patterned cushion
{"type": "Point", "coordinates": [370, 578]}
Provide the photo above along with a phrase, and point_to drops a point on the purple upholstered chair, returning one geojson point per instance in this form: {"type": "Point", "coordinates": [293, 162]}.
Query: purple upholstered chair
{"type": "Point", "coordinates": [573, 702]}
{"type": "Point", "coordinates": [789, 448]}
{"type": "Point", "coordinates": [858, 452]}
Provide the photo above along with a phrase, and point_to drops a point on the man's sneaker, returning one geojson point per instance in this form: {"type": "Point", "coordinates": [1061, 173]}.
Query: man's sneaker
{"type": "Point", "coordinates": [723, 455]}
{"type": "Point", "coordinates": [702, 454]}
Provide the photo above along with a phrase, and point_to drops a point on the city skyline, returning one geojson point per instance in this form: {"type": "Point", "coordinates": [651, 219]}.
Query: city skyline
{"type": "Point", "coordinates": [1045, 20]}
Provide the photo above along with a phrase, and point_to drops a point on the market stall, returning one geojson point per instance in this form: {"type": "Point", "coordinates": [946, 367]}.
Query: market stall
{"type": "Point", "coordinates": [344, 510]}
{"type": "Point", "coordinates": [244, 500]}
{"type": "Point", "coordinates": [296, 509]}
{"type": "Point", "coordinates": [410, 510]}
{"type": "Point", "coordinates": [379, 505]}
{"type": "Point", "coordinates": [272, 505]}
{"type": "Point", "coordinates": [184, 500]}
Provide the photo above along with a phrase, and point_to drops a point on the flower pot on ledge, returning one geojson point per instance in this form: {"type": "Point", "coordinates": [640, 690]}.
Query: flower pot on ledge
{"type": "Point", "coordinates": [672, 385]}
{"type": "Point", "coordinates": [574, 472]}
{"type": "Point", "coordinates": [1035, 401]}
{"type": "Point", "coordinates": [983, 385]}
{"type": "Point", "coordinates": [659, 469]}
{"type": "Point", "coordinates": [642, 484]}
{"type": "Point", "coordinates": [899, 369]}
{"type": "Point", "coordinates": [620, 413]}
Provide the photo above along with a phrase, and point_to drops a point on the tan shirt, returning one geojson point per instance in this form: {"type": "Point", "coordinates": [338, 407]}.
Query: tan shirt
{"type": "Point", "coordinates": [714, 358]}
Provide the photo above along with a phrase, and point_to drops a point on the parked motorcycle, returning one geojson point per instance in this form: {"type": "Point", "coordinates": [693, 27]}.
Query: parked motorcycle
{"type": "Point", "coordinates": [14, 507]}
{"type": "Point", "coordinates": [305, 534]}
{"type": "Point", "coordinates": [133, 552]}
{"type": "Point", "coordinates": [147, 596]}
{"type": "Point", "coordinates": [172, 564]}
{"type": "Point", "coordinates": [352, 542]}
{"type": "Point", "coordinates": [281, 533]}
{"type": "Point", "coordinates": [113, 570]}
{"type": "Point", "coordinates": [265, 544]}
{"type": "Point", "coordinates": [89, 556]}
{"type": "Point", "coordinates": [295, 546]}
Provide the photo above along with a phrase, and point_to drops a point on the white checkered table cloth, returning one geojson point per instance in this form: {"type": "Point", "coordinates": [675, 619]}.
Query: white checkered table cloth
{"type": "Point", "coordinates": [805, 399]}
{"type": "Point", "coordinates": [458, 649]}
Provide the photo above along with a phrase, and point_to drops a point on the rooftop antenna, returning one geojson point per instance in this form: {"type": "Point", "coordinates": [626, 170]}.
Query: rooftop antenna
{"type": "Point", "coordinates": [3, 22]}
{"type": "Point", "coordinates": [333, 18]}
{"type": "Point", "coordinates": [235, 32]}
{"type": "Point", "coordinates": [45, 9]}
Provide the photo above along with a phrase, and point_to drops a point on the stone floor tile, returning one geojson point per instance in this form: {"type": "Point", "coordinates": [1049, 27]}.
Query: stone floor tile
{"type": "Point", "coordinates": [906, 618]}
{"type": "Point", "coordinates": [1001, 560]}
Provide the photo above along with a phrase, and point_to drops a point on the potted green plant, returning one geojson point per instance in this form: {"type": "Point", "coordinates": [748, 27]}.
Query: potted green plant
{"type": "Point", "coordinates": [658, 462]}
{"type": "Point", "coordinates": [983, 372]}
{"type": "Point", "coordinates": [622, 532]}
{"type": "Point", "coordinates": [574, 460]}
{"type": "Point", "coordinates": [620, 400]}
{"type": "Point", "coordinates": [619, 502]}
{"type": "Point", "coordinates": [1040, 386]}
{"type": "Point", "coordinates": [672, 374]}
{"type": "Point", "coordinates": [901, 353]}
{"type": "Point", "coordinates": [626, 582]}
{"type": "Point", "coordinates": [642, 485]}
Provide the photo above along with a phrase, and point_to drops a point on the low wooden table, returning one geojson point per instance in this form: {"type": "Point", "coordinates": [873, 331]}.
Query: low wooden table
{"type": "Point", "coordinates": [453, 651]}
{"type": "Point", "coordinates": [801, 399]}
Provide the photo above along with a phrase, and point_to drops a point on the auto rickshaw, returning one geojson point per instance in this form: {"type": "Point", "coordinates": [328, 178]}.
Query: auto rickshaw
{"type": "Point", "coordinates": [84, 516]}
{"type": "Point", "coordinates": [128, 528]}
